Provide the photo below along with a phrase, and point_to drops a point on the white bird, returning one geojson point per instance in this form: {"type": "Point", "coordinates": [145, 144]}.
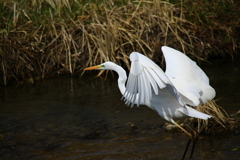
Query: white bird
{"type": "Point", "coordinates": [169, 93]}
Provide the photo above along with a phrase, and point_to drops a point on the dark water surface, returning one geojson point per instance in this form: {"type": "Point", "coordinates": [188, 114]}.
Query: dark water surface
{"type": "Point", "coordinates": [73, 118]}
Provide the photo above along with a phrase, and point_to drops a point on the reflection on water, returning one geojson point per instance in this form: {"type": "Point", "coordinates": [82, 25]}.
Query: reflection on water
{"type": "Point", "coordinates": [64, 118]}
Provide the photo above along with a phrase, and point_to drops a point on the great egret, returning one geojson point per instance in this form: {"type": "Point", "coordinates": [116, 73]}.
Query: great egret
{"type": "Point", "coordinates": [169, 93]}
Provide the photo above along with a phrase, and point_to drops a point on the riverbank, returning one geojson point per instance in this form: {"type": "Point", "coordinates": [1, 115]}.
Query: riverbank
{"type": "Point", "coordinates": [46, 38]}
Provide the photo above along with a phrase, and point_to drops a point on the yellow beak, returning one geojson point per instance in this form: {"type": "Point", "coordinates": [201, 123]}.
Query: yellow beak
{"type": "Point", "coordinates": [93, 67]}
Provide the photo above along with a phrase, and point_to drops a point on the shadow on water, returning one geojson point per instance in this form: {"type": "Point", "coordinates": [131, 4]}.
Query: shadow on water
{"type": "Point", "coordinates": [67, 118]}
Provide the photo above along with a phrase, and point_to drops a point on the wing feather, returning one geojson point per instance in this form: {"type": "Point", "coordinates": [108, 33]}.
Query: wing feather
{"type": "Point", "coordinates": [140, 90]}
{"type": "Point", "coordinates": [152, 81]}
{"type": "Point", "coordinates": [161, 84]}
{"type": "Point", "coordinates": [145, 79]}
{"type": "Point", "coordinates": [187, 77]}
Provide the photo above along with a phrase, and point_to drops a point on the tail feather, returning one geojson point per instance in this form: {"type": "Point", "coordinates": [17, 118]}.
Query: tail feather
{"type": "Point", "coordinates": [194, 113]}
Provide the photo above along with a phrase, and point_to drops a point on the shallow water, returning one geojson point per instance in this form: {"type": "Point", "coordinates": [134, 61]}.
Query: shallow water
{"type": "Point", "coordinates": [84, 118]}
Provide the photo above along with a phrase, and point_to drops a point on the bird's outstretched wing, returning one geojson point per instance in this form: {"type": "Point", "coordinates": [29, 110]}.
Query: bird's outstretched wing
{"type": "Point", "coordinates": [146, 78]}
{"type": "Point", "coordinates": [187, 77]}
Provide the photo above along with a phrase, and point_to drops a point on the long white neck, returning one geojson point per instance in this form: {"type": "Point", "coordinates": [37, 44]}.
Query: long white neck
{"type": "Point", "coordinates": [122, 78]}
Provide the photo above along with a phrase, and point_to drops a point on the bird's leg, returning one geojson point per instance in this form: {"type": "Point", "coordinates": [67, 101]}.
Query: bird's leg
{"type": "Point", "coordinates": [189, 134]}
{"type": "Point", "coordinates": [193, 147]}
{"type": "Point", "coordinates": [189, 141]}
{"type": "Point", "coordinates": [194, 138]}
{"type": "Point", "coordinates": [186, 149]}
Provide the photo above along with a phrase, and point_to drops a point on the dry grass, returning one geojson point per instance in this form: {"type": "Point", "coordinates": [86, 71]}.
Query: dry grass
{"type": "Point", "coordinates": [48, 36]}
{"type": "Point", "coordinates": [35, 44]}
{"type": "Point", "coordinates": [142, 26]}
{"type": "Point", "coordinates": [219, 116]}
{"type": "Point", "coordinates": [218, 24]}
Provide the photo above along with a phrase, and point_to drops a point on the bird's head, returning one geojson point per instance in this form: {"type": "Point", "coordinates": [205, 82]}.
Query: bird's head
{"type": "Point", "coordinates": [105, 66]}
